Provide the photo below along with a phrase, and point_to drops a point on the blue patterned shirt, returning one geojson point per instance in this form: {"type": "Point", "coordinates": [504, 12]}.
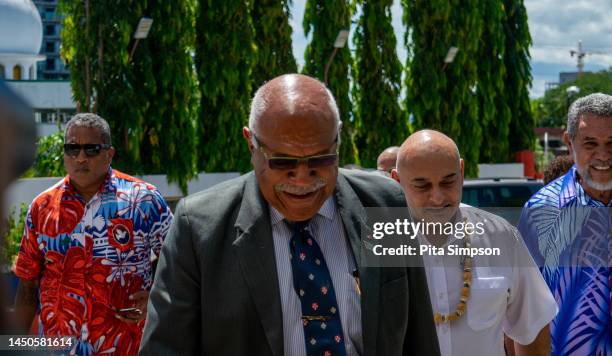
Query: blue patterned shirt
{"type": "Point", "coordinates": [569, 235]}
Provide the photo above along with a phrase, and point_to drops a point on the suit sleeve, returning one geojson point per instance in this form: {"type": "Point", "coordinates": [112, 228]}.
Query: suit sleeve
{"type": "Point", "coordinates": [173, 317]}
{"type": "Point", "coordinates": [421, 338]}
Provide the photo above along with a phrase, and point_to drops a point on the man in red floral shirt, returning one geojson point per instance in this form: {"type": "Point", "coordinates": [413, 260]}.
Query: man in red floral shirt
{"type": "Point", "coordinates": [89, 246]}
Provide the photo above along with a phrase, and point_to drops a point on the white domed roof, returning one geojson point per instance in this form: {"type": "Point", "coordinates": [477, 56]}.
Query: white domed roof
{"type": "Point", "coordinates": [20, 27]}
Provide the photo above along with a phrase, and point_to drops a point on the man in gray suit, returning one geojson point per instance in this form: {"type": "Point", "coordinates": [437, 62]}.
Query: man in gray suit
{"type": "Point", "coordinates": [265, 264]}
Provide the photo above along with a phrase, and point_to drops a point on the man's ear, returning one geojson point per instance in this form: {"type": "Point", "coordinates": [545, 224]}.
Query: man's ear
{"type": "Point", "coordinates": [111, 153]}
{"type": "Point", "coordinates": [246, 133]}
{"type": "Point", "coordinates": [461, 163]}
{"type": "Point", "coordinates": [395, 175]}
{"type": "Point", "coordinates": [568, 142]}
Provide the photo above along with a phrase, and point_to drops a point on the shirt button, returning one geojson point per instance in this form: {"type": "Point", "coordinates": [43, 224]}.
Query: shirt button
{"type": "Point", "coordinates": [441, 295]}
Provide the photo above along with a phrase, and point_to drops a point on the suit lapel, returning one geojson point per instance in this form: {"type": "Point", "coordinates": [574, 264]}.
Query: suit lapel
{"type": "Point", "coordinates": [353, 217]}
{"type": "Point", "coordinates": [254, 248]}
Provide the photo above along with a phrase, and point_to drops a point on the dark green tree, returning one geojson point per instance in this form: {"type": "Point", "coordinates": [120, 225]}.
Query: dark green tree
{"type": "Point", "coordinates": [272, 38]}
{"type": "Point", "coordinates": [494, 110]}
{"type": "Point", "coordinates": [324, 19]}
{"type": "Point", "coordinates": [149, 99]}
{"type": "Point", "coordinates": [49, 160]}
{"type": "Point", "coordinates": [518, 76]}
{"type": "Point", "coordinates": [441, 96]}
{"type": "Point", "coordinates": [551, 109]}
{"type": "Point", "coordinates": [378, 79]}
{"type": "Point", "coordinates": [224, 56]}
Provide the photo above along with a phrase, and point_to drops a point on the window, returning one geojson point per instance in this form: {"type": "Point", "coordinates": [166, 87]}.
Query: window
{"type": "Point", "coordinates": [49, 30]}
{"type": "Point", "coordinates": [50, 47]}
{"type": "Point", "coordinates": [17, 72]}
{"type": "Point", "coordinates": [50, 64]}
{"type": "Point", "coordinates": [49, 10]}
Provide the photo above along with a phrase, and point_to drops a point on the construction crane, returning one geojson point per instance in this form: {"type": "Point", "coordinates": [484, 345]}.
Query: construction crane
{"type": "Point", "coordinates": [580, 54]}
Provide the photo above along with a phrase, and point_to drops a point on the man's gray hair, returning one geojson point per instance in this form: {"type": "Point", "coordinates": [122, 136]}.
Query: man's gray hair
{"type": "Point", "coordinates": [261, 101]}
{"type": "Point", "coordinates": [92, 121]}
{"type": "Point", "coordinates": [597, 104]}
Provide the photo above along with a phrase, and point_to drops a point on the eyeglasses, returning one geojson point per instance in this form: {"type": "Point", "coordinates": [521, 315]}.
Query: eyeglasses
{"type": "Point", "coordinates": [91, 149]}
{"type": "Point", "coordinates": [316, 161]}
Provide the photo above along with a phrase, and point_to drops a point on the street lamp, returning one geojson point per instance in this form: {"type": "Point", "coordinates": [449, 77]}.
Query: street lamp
{"type": "Point", "coordinates": [142, 31]}
{"type": "Point", "coordinates": [571, 91]}
{"type": "Point", "coordinates": [450, 56]}
{"type": "Point", "coordinates": [339, 43]}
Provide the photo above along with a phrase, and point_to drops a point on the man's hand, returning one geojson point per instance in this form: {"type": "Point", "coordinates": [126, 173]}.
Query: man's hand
{"type": "Point", "coordinates": [26, 303]}
{"type": "Point", "coordinates": [140, 300]}
{"type": "Point", "coordinates": [539, 347]}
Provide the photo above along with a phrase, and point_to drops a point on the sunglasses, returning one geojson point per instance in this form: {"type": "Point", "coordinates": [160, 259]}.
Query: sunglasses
{"type": "Point", "coordinates": [91, 149]}
{"type": "Point", "coordinates": [283, 163]}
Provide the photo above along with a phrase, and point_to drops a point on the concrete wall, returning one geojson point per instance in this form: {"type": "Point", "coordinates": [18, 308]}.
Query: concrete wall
{"type": "Point", "coordinates": [25, 190]}
{"type": "Point", "coordinates": [45, 94]}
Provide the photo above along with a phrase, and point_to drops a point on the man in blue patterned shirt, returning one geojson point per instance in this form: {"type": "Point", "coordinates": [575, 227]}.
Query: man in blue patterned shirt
{"type": "Point", "coordinates": [567, 228]}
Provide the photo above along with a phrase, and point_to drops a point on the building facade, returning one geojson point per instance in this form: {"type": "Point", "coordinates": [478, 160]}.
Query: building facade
{"type": "Point", "coordinates": [52, 67]}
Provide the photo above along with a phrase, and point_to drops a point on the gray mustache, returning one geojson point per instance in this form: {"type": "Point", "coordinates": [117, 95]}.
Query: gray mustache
{"type": "Point", "coordinates": [300, 189]}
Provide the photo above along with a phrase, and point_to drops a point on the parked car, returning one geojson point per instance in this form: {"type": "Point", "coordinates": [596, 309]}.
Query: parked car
{"type": "Point", "coordinates": [501, 196]}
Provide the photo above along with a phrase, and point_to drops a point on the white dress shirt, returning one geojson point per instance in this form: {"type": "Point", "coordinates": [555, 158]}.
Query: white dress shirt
{"type": "Point", "coordinates": [510, 298]}
{"type": "Point", "coordinates": [327, 229]}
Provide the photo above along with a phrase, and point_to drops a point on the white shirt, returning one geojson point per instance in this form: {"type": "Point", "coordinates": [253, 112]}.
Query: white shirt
{"type": "Point", "coordinates": [327, 229]}
{"type": "Point", "coordinates": [508, 296]}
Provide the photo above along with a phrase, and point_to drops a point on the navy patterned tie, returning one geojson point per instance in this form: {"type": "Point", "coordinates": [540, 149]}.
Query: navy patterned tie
{"type": "Point", "coordinates": [313, 285]}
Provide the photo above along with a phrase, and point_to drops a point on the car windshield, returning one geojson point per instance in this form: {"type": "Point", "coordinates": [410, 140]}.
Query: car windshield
{"type": "Point", "coordinates": [498, 195]}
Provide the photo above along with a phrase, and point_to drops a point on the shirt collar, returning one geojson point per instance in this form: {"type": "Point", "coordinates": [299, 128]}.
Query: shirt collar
{"type": "Point", "coordinates": [572, 189]}
{"type": "Point", "coordinates": [568, 187]}
{"type": "Point", "coordinates": [327, 210]}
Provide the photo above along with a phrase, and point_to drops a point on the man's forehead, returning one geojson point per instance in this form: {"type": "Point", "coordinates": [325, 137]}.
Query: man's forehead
{"type": "Point", "coordinates": [429, 167]}
{"type": "Point", "coordinates": [296, 124]}
{"type": "Point", "coordinates": [429, 176]}
{"type": "Point", "coordinates": [599, 125]}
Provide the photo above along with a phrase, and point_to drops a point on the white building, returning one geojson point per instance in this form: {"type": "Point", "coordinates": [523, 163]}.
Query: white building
{"type": "Point", "coordinates": [21, 36]}
{"type": "Point", "coordinates": [20, 39]}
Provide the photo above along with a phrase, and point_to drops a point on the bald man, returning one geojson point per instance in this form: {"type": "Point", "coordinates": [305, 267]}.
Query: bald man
{"type": "Point", "coordinates": [475, 299]}
{"type": "Point", "coordinates": [265, 264]}
{"type": "Point", "coordinates": [386, 160]}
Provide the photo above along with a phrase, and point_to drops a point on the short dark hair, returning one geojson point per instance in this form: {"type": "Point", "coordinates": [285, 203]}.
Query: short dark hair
{"type": "Point", "coordinates": [93, 121]}
{"type": "Point", "coordinates": [558, 167]}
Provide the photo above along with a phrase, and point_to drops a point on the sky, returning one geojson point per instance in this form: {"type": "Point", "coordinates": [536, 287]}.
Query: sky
{"type": "Point", "coordinates": [556, 26]}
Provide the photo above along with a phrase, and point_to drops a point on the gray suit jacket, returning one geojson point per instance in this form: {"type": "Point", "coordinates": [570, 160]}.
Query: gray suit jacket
{"type": "Point", "coordinates": [216, 289]}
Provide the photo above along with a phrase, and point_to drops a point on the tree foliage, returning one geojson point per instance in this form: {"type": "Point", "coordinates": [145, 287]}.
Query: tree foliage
{"type": "Point", "coordinates": [518, 76]}
{"type": "Point", "coordinates": [551, 110]}
{"type": "Point", "coordinates": [272, 39]}
{"type": "Point", "coordinates": [224, 56]}
{"type": "Point", "coordinates": [49, 160]}
{"type": "Point", "coordinates": [494, 110]}
{"type": "Point", "coordinates": [378, 75]}
{"type": "Point", "coordinates": [324, 19]}
{"type": "Point", "coordinates": [10, 242]}
{"type": "Point", "coordinates": [440, 96]}
{"type": "Point", "coordinates": [149, 101]}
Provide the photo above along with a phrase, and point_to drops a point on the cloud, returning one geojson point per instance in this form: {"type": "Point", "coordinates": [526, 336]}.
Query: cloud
{"type": "Point", "coordinates": [556, 26]}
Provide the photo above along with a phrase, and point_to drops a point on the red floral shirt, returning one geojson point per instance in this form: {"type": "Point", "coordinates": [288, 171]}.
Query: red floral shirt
{"type": "Point", "coordinates": [89, 257]}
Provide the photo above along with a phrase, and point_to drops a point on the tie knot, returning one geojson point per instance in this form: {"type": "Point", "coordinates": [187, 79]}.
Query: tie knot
{"type": "Point", "coordinates": [298, 226]}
